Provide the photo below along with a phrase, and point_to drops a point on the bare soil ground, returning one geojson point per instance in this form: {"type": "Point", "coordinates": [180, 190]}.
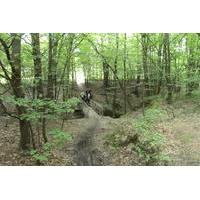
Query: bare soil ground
{"type": "Point", "coordinates": [11, 155]}
{"type": "Point", "coordinates": [88, 148]}
{"type": "Point", "coordinates": [183, 135]}
{"type": "Point", "coordinates": [9, 140]}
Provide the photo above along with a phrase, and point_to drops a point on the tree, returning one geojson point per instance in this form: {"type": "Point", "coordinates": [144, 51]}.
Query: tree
{"type": "Point", "coordinates": [125, 72]}
{"type": "Point", "coordinates": [167, 65]}
{"type": "Point", "coordinates": [145, 43]}
{"type": "Point", "coordinates": [115, 73]}
{"type": "Point", "coordinates": [192, 49]}
{"type": "Point", "coordinates": [68, 65]}
{"type": "Point", "coordinates": [38, 86]}
{"type": "Point", "coordinates": [14, 59]}
{"type": "Point", "coordinates": [52, 64]}
{"type": "Point", "coordinates": [159, 63]}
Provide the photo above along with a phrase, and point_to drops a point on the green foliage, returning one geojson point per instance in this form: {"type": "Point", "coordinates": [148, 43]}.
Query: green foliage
{"type": "Point", "coordinates": [141, 137]}
{"type": "Point", "coordinates": [43, 154]}
{"type": "Point", "coordinates": [152, 115]}
{"type": "Point", "coordinates": [31, 116]}
{"type": "Point", "coordinates": [113, 140]}
{"type": "Point", "coordinates": [194, 97]}
{"type": "Point", "coordinates": [60, 137]}
{"type": "Point", "coordinates": [35, 107]}
{"type": "Point", "coordinates": [151, 141]}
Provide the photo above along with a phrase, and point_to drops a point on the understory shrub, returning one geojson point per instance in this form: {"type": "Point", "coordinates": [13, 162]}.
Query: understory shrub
{"type": "Point", "coordinates": [59, 138]}
{"type": "Point", "coordinates": [43, 154]}
{"type": "Point", "coordinates": [142, 138]}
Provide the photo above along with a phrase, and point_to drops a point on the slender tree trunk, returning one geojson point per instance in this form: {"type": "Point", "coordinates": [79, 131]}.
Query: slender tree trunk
{"type": "Point", "coordinates": [67, 69]}
{"type": "Point", "coordinates": [160, 67]}
{"type": "Point", "coordinates": [136, 92]}
{"type": "Point", "coordinates": [109, 66]}
{"type": "Point", "coordinates": [37, 65]}
{"type": "Point", "coordinates": [136, 89]}
{"type": "Point", "coordinates": [190, 67]}
{"type": "Point", "coordinates": [50, 69]}
{"type": "Point", "coordinates": [54, 64]}
{"type": "Point", "coordinates": [124, 62]}
{"type": "Point", "coordinates": [145, 63]}
{"type": "Point", "coordinates": [167, 64]}
{"type": "Point", "coordinates": [105, 75]}
{"type": "Point", "coordinates": [115, 72]}
{"type": "Point", "coordinates": [38, 75]}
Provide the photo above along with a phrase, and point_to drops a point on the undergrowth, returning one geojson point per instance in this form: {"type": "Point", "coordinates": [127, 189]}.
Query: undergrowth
{"type": "Point", "coordinates": [59, 138]}
{"type": "Point", "coordinates": [142, 137]}
{"type": "Point", "coordinates": [149, 147]}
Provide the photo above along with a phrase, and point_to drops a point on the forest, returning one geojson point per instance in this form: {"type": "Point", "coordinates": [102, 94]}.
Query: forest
{"type": "Point", "coordinates": [96, 99]}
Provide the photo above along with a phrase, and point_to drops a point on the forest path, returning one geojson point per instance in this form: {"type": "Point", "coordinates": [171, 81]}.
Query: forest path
{"type": "Point", "coordinates": [185, 132]}
{"type": "Point", "coordinates": [85, 152]}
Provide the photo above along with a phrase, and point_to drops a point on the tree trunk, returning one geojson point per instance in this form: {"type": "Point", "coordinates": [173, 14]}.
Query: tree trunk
{"type": "Point", "coordinates": [38, 75]}
{"type": "Point", "coordinates": [160, 67]}
{"type": "Point", "coordinates": [144, 60]}
{"type": "Point", "coordinates": [37, 65]}
{"type": "Point", "coordinates": [124, 62]}
{"type": "Point", "coordinates": [167, 64]}
{"type": "Point", "coordinates": [105, 75]}
{"type": "Point", "coordinates": [52, 64]}
{"type": "Point", "coordinates": [50, 69]}
{"type": "Point", "coordinates": [115, 72]}
{"type": "Point", "coordinates": [67, 69]}
{"type": "Point", "coordinates": [25, 141]}
{"type": "Point", "coordinates": [190, 67]}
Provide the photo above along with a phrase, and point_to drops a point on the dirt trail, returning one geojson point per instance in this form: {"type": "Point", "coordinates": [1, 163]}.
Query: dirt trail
{"type": "Point", "coordinates": [85, 152]}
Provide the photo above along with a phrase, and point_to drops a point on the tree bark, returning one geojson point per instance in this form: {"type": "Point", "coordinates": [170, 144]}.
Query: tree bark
{"type": "Point", "coordinates": [50, 70]}
{"type": "Point", "coordinates": [160, 66]}
{"type": "Point", "coordinates": [38, 75]}
{"type": "Point", "coordinates": [167, 64]}
{"type": "Point", "coordinates": [144, 60]}
{"type": "Point", "coordinates": [52, 64]}
{"type": "Point", "coordinates": [37, 65]}
{"type": "Point", "coordinates": [125, 73]}
{"type": "Point", "coordinates": [105, 75]}
{"type": "Point", "coordinates": [65, 79]}
{"type": "Point", "coordinates": [192, 66]}
{"type": "Point", "coordinates": [115, 72]}
{"type": "Point", "coordinates": [25, 138]}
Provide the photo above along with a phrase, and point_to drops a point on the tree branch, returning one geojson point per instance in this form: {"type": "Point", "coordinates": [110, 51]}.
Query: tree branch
{"type": "Point", "coordinates": [6, 49]}
{"type": "Point", "coordinates": [6, 111]}
{"type": "Point", "coordinates": [5, 72]}
{"type": "Point", "coordinates": [113, 71]}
